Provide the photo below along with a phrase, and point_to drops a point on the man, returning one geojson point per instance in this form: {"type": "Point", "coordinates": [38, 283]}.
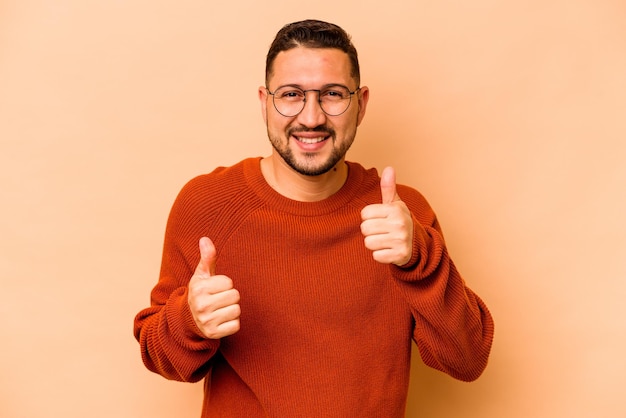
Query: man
{"type": "Point", "coordinates": [294, 284]}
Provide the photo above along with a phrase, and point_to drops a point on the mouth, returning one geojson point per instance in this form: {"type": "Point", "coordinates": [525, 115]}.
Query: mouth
{"type": "Point", "coordinates": [310, 140]}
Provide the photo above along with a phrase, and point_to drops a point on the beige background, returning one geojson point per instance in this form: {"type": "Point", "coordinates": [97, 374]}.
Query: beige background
{"type": "Point", "coordinates": [509, 116]}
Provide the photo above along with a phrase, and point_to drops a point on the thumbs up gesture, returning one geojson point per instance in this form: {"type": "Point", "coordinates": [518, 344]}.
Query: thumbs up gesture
{"type": "Point", "coordinates": [213, 301]}
{"type": "Point", "coordinates": [388, 226]}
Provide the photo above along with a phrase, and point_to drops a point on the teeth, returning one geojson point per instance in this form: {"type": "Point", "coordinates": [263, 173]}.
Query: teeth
{"type": "Point", "coordinates": [311, 140]}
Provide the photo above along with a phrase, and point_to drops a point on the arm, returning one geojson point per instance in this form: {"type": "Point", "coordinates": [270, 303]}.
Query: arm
{"type": "Point", "coordinates": [170, 343]}
{"type": "Point", "coordinates": [453, 327]}
{"type": "Point", "coordinates": [190, 310]}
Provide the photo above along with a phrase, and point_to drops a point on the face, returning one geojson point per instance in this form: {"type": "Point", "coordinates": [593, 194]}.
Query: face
{"type": "Point", "coordinates": [312, 142]}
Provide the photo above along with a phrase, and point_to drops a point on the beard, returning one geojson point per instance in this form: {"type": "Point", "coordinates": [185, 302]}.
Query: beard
{"type": "Point", "coordinates": [307, 164]}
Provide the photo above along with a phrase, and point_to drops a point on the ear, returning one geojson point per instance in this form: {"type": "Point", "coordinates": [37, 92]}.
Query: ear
{"type": "Point", "coordinates": [363, 96]}
{"type": "Point", "coordinates": [263, 99]}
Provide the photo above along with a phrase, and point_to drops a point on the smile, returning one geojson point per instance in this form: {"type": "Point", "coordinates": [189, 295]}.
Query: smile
{"type": "Point", "coordinates": [310, 140]}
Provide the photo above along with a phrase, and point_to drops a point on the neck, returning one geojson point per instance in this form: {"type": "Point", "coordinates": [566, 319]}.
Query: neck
{"type": "Point", "coordinates": [296, 186]}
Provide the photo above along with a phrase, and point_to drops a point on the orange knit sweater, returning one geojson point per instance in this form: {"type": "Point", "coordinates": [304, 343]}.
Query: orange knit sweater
{"type": "Point", "coordinates": [325, 330]}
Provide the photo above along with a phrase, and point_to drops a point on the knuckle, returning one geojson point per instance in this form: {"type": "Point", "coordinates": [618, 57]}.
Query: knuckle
{"type": "Point", "coordinates": [236, 326]}
{"type": "Point", "coordinates": [222, 283]}
{"type": "Point", "coordinates": [205, 305]}
{"type": "Point", "coordinates": [195, 302]}
{"type": "Point", "coordinates": [211, 334]}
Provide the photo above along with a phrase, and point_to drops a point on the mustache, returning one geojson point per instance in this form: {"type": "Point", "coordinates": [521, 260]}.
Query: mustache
{"type": "Point", "coordinates": [321, 128]}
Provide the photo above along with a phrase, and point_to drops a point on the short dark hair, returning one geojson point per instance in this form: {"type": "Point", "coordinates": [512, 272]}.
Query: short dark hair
{"type": "Point", "coordinates": [312, 34]}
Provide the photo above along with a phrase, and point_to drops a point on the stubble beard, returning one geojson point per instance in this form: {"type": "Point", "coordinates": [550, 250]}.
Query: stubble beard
{"type": "Point", "coordinates": [307, 165]}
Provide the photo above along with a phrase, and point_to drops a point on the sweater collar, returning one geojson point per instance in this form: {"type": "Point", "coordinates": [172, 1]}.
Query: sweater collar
{"type": "Point", "coordinates": [256, 181]}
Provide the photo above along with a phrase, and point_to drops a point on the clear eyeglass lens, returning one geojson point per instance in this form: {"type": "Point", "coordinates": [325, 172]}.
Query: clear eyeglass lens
{"type": "Point", "coordinates": [334, 100]}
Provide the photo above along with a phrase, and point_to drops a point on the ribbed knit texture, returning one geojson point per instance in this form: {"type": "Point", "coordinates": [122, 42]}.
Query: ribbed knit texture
{"type": "Point", "coordinates": [325, 330]}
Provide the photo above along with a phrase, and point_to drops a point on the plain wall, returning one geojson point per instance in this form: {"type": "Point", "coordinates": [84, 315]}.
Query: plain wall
{"type": "Point", "coordinates": [509, 116]}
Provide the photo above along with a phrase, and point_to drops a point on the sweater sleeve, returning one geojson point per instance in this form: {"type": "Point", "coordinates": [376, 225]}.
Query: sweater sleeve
{"type": "Point", "coordinates": [453, 327]}
{"type": "Point", "coordinates": [170, 342]}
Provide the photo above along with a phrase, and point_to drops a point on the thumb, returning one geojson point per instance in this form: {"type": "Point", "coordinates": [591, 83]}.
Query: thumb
{"type": "Point", "coordinates": [208, 257]}
{"type": "Point", "coordinates": [388, 185]}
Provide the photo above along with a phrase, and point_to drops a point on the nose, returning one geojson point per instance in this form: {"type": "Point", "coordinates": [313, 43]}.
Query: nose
{"type": "Point", "coordinates": [312, 114]}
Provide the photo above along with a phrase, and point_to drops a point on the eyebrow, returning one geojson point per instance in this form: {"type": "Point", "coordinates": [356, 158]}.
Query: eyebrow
{"type": "Point", "coordinates": [325, 86]}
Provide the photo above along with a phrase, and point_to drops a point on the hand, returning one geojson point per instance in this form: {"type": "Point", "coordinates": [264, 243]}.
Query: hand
{"type": "Point", "coordinates": [388, 227]}
{"type": "Point", "coordinates": [213, 301]}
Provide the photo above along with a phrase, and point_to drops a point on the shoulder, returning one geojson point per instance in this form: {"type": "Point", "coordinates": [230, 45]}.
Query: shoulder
{"type": "Point", "coordinates": [207, 194]}
{"type": "Point", "coordinates": [220, 182]}
{"type": "Point", "coordinates": [210, 205]}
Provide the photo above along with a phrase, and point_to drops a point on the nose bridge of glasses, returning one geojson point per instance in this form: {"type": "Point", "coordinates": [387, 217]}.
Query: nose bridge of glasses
{"type": "Point", "coordinates": [318, 91]}
{"type": "Point", "coordinates": [318, 101]}
{"type": "Point", "coordinates": [319, 95]}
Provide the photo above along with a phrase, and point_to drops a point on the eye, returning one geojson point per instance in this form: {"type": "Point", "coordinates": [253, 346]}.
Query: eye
{"type": "Point", "coordinates": [334, 93]}
{"type": "Point", "coordinates": [289, 94]}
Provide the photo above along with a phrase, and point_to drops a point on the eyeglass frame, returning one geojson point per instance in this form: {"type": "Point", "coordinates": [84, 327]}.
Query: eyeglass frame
{"type": "Point", "coordinates": [319, 100]}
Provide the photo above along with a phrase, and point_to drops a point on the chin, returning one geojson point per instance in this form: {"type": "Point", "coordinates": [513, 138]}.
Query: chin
{"type": "Point", "coordinates": [313, 170]}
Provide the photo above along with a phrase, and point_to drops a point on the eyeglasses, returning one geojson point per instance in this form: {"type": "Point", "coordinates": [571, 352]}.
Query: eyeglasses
{"type": "Point", "coordinates": [334, 99]}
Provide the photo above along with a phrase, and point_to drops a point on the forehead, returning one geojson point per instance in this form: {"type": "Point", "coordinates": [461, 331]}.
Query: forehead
{"type": "Point", "coordinates": [311, 67]}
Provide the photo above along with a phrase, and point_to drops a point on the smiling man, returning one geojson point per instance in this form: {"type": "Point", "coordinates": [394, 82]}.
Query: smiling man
{"type": "Point", "coordinates": [294, 284]}
{"type": "Point", "coordinates": [311, 119]}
